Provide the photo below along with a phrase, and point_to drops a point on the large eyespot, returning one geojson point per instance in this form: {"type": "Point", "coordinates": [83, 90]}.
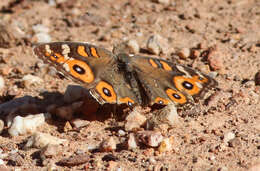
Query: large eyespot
{"type": "Point", "coordinates": [127, 100]}
{"type": "Point", "coordinates": [161, 101]}
{"type": "Point", "coordinates": [106, 91]}
{"type": "Point", "coordinates": [176, 96]}
{"type": "Point", "coordinates": [80, 70]}
{"type": "Point", "coordinates": [189, 85]}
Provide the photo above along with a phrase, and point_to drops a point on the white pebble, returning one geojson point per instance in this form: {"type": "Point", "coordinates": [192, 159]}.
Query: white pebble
{"type": "Point", "coordinates": [28, 124]}
{"type": "Point", "coordinates": [150, 138]}
{"type": "Point", "coordinates": [121, 132]}
{"type": "Point", "coordinates": [132, 144]}
{"type": "Point", "coordinates": [228, 136]}
{"type": "Point", "coordinates": [43, 37]}
{"type": "Point", "coordinates": [40, 140]}
{"type": "Point", "coordinates": [133, 46]}
{"type": "Point", "coordinates": [153, 45]}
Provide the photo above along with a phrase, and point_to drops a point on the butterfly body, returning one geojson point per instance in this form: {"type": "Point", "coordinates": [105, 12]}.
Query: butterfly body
{"type": "Point", "coordinates": [120, 78]}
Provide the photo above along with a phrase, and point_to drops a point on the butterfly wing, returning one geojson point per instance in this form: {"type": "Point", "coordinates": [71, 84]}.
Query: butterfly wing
{"type": "Point", "coordinates": [165, 82]}
{"type": "Point", "coordinates": [94, 67]}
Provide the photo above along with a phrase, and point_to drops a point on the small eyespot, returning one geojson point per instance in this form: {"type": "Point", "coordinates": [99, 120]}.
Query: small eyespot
{"type": "Point", "coordinates": [79, 69]}
{"type": "Point", "coordinates": [187, 85]}
{"type": "Point", "coordinates": [129, 103]}
{"type": "Point", "coordinates": [176, 96]}
{"type": "Point", "coordinates": [106, 92]}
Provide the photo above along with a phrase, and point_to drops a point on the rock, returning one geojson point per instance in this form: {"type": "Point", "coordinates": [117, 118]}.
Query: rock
{"type": "Point", "coordinates": [132, 143]}
{"type": "Point", "coordinates": [166, 145]}
{"type": "Point", "coordinates": [121, 133]}
{"type": "Point", "coordinates": [28, 124]}
{"type": "Point", "coordinates": [129, 47]}
{"type": "Point", "coordinates": [228, 136]}
{"type": "Point", "coordinates": [215, 59]}
{"type": "Point", "coordinates": [67, 127]}
{"type": "Point", "coordinates": [2, 83]}
{"type": "Point", "coordinates": [134, 120]}
{"type": "Point", "coordinates": [50, 150]}
{"type": "Point", "coordinates": [108, 145]}
{"type": "Point", "coordinates": [257, 78]}
{"type": "Point", "coordinates": [2, 125]}
{"type": "Point", "coordinates": [31, 79]}
{"type": "Point", "coordinates": [150, 138]}
{"type": "Point", "coordinates": [167, 115]}
{"type": "Point", "coordinates": [74, 160]}
{"type": "Point", "coordinates": [184, 53]}
{"type": "Point", "coordinates": [43, 37]}
{"type": "Point", "coordinates": [40, 140]}
{"type": "Point", "coordinates": [77, 123]}
{"type": "Point", "coordinates": [153, 45]}
{"type": "Point", "coordinates": [166, 2]}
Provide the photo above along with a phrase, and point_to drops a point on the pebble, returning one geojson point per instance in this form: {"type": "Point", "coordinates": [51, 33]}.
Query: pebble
{"type": "Point", "coordinates": [39, 28]}
{"type": "Point", "coordinates": [215, 59]}
{"type": "Point", "coordinates": [153, 45]}
{"type": "Point", "coordinates": [132, 143]}
{"type": "Point", "coordinates": [133, 46]}
{"type": "Point", "coordinates": [2, 125]}
{"type": "Point", "coordinates": [184, 53]}
{"type": "Point", "coordinates": [134, 120]}
{"type": "Point", "coordinates": [40, 140]}
{"type": "Point", "coordinates": [78, 123]}
{"type": "Point", "coordinates": [108, 145]}
{"type": "Point", "coordinates": [121, 133]}
{"type": "Point", "coordinates": [74, 160]}
{"type": "Point", "coordinates": [166, 145]}
{"type": "Point", "coordinates": [24, 125]}
{"type": "Point", "coordinates": [228, 136]}
{"type": "Point", "coordinates": [166, 2]}
{"type": "Point", "coordinates": [43, 37]}
{"type": "Point", "coordinates": [150, 138]}
{"type": "Point", "coordinates": [257, 78]}
{"type": "Point", "coordinates": [50, 150]}
{"type": "Point", "coordinates": [2, 83]}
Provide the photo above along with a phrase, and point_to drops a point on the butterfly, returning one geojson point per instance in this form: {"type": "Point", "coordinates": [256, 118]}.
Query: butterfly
{"type": "Point", "coordinates": [125, 79]}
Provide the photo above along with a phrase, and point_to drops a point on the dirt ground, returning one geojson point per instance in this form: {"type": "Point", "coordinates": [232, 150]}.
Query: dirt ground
{"type": "Point", "coordinates": [219, 37]}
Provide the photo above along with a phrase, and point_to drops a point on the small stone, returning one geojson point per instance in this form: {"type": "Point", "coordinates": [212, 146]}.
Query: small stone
{"type": "Point", "coordinates": [166, 145]}
{"type": "Point", "coordinates": [67, 127]}
{"type": "Point", "coordinates": [153, 45]}
{"type": "Point", "coordinates": [108, 145]}
{"type": "Point", "coordinates": [40, 140]}
{"type": "Point", "coordinates": [134, 120]}
{"type": "Point", "coordinates": [215, 59]}
{"type": "Point", "coordinates": [74, 160]}
{"type": "Point", "coordinates": [121, 133]}
{"type": "Point", "coordinates": [2, 125]}
{"type": "Point", "coordinates": [50, 150]}
{"type": "Point", "coordinates": [43, 37]}
{"type": "Point", "coordinates": [257, 78]}
{"type": "Point", "coordinates": [24, 125]}
{"type": "Point", "coordinates": [166, 2]}
{"type": "Point", "coordinates": [78, 123]}
{"type": "Point", "coordinates": [2, 83]}
{"type": "Point", "coordinates": [184, 53]}
{"type": "Point", "coordinates": [133, 46]}
{"type": "Point", "coordinates": [228, 136]}
{"type": "Point", "coordinates": [150, 138]}
{"type": "Point", "coordinates": [152, 160]}
{"type": "Point", "coordinates": [31, 79]}
{"type": "Point", "coordinates": [132, 143]}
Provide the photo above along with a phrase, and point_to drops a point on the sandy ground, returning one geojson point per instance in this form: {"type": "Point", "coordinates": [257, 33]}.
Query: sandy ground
{"type": "Point", "coordinates": [223, 134]}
